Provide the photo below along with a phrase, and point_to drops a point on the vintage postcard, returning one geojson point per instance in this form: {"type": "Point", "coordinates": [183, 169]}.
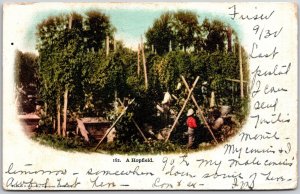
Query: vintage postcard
{"type": "Point", "coordinates": [150, 96]}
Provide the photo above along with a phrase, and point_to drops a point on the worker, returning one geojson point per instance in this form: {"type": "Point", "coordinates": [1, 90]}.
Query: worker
{"type": "Point", "coordinates": [218, 120]}
{"type": "Point", "coordinates": [192, 125]}
{"type": "Point", "coordinates": [204, 91]}
{"type": "Point", "coordinates": [166, 103]}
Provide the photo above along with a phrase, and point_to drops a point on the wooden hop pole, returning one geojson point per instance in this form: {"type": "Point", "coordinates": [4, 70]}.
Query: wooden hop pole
{"type": "Point", "coordinates": [65, 108]}
{"type": "Point", "coordinates": [138, 61]}
{"type": "Point", "coordinates": [64, 126]}
{"type": "Point", "coordinates": [241, 71]}
{"type": "Point", "coordinates": [139, 129]}
{"type": "Point", "coordinates": [229, 39]}
{"type": "Point", "coordinates": [58, 115]}
{"type": "Point", "coordinates": [107, 45]}
{"type": "Point", "coordinates": [115, 45]}
{"type": "Point", "coordinates": [112, 126]}
{"type": "Point", "coordinates": [70, 21]}
{"type": "Point", "coordinates": [134, 122]}
{"type": "Point", "coordinates": [144, 64]}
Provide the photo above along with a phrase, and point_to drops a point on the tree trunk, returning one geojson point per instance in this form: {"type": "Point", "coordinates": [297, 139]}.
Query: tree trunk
{"type": "Point", "coordinates": [64, 126]}
{"type": "Point", "coordinates": [58, 115]}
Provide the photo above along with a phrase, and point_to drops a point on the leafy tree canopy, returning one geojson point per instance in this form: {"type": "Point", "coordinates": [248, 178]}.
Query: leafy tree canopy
{"type": "Point", "coordinates": [181, 30]}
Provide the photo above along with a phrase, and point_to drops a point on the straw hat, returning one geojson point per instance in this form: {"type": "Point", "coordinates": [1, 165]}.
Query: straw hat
{"type": "Point", "coordinates": [190, 112]}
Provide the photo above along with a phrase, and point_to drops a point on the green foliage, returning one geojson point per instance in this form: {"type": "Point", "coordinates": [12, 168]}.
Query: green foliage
{"type": "Point", "coordinates": [96, 27]}
{"type": "Point", "coordinates": [178, 30]}
{"type": "Point", "coordinates": [59, 142]}
{"type": "Point", "coordinates": [242, 110]}
{"type": "Point", "coordinates": [183, 31]}
{"type": "Point", "coordinates": [212, 67]}
{"type": "Point", "coordinates": [161, 33]}
{"type": "Point", "coordinates": [137, 147]}
{"type": "Point", "coordinates": [26, 80]}
{"type": "Point", "coordinates": [26, 69]}
{"type": "Point", "coordinates": [216, 34]}
{"type": "Point", "coordinates": [134, 146]}
{"type": "Point", "coordinates": [66, 45]}
{"type": "Point", "coordinates": [75, 144]}
{"type": "Point", "coordinates": [72, 56]}
{"type": "Point", "coordinates": [186, 28]}
{"type": "Point", "coordinates": [45, 124]}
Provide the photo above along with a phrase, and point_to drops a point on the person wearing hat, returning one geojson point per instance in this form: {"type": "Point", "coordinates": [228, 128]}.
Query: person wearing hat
{"type": "Point", "coordinates": [192, 125]}
{"type": "Point", "coordinates": [166, 108]}
{"type": "Point", "coordinates": [204, 92]}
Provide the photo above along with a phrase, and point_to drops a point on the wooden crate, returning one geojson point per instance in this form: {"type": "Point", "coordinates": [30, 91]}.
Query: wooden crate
{"type": "Point", "coordinates": [29, 123]}
{"type": "Point", "coordinates": [97, 127]}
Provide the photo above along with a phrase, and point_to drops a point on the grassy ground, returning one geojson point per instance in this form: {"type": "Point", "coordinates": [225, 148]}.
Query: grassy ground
{"type": "Point", "coordinates": [76, 144]}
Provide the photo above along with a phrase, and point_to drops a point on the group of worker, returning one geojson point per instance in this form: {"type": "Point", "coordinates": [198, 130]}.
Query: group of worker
{"type": "Point", "coordinates": [216, 122]}
{"type": "Point", "coordinates": [214, 117]}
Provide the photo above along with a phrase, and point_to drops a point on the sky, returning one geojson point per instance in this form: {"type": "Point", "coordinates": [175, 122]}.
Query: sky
{"type": "Point", "coordinates": [130, 22]}
{"type": "Point", "coordinates": [130, 25]}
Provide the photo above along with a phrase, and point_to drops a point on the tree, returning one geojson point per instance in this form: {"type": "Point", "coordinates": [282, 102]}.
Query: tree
{"type": "Point", "coordinates": [216, 32]}
{"type": "Point", "coordinates": [63, 42]}
{"type": "Point", "coordinates": [185, 26]}
{"type": "Point", "coordinates": [51, 42]}
{"type": "Point", "coordinates": [161, 34]}
{"type": "Point", "coordinates": [78, 76]}
{"type": "Point", "coordinates": [175, 30]}
{"type": "Point", "coordinates": [96, 27]}
{"type": "Point", "coordinates": [26, 80]}
{"type": "Point", "coordinates": [26, 69]}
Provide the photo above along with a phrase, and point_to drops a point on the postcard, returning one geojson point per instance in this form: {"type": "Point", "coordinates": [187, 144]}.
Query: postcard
{"type": "Point", "coordinates": [150, 96]}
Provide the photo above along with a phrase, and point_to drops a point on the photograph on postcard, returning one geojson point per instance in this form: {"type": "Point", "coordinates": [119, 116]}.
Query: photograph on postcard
{"type": "Point", "coordinates": [150, 96]}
